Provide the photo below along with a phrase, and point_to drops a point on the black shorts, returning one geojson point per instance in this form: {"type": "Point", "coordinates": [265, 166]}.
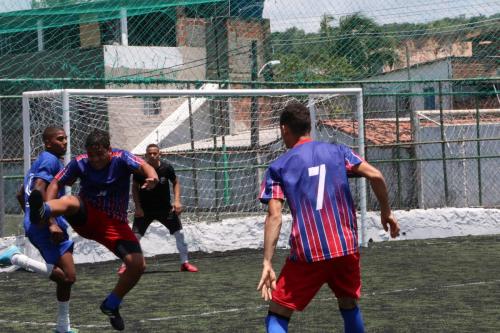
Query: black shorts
{"type": "Point", "coordinates": [168, 218]}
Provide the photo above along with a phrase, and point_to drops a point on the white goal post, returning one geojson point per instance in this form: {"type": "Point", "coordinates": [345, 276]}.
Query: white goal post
{"type": "Point", "coordinates": [208, 132]}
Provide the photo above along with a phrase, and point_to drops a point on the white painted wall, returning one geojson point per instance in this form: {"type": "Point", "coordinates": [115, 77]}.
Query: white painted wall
{"type": "Point", "coordinates": [232, 234]}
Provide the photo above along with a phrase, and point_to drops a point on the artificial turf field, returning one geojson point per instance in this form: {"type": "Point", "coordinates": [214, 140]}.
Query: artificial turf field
{"type": "Point", "coordinates": [438, 285]}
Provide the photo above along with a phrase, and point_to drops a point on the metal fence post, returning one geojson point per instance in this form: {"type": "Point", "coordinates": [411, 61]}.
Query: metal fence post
{"type": "Point", "coordinates": [195, 172]}
{"type": "Point", "coordinates": [398, 156]}
{"type": "Point", "coordinates": [478, 152]}
{"type": "Point", "coordinates": [443, 144]}
{"type": "Point", "coordinates": [2, 184]}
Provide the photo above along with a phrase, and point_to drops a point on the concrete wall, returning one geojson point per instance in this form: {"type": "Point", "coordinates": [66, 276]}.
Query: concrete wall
{"type": "Point", "coordinates": [129, 120]}
{"type": "Point", "coordinates": [247, 232]}
{"type": "Point", "coordinates": [462, 174]}
{"type": "Point", "coordinates": [433, 71]}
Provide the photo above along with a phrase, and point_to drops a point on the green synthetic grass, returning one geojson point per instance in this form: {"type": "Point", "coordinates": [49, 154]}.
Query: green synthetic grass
{"type": "Point", "coordinates": [438, 285]}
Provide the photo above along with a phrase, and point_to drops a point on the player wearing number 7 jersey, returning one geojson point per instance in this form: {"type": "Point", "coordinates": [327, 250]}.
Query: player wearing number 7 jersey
{"type": "Point", "coordinates": [313, 178]}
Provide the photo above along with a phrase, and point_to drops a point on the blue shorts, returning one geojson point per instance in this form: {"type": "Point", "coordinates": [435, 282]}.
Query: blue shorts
{"type": "Point", "coordinates": [39, 236]}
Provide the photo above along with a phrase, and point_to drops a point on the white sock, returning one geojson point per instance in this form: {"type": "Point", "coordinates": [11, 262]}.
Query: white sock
{"type": "Point", "coordinates": [181, 246]}
{"type": "Point", "coordinates": [29, 264]}
{"type": "Point", "coordinates": [63, 324]}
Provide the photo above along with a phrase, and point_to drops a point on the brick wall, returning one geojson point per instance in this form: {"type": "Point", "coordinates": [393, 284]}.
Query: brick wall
{"type": "Point", "coordinates": [90, 35]}
{"type": "Point", "coordinates": [473, 68]}
{"type": "Point", "coordinates": [191, 31]}
{"type": "Point", "coordinates": [240, 34]}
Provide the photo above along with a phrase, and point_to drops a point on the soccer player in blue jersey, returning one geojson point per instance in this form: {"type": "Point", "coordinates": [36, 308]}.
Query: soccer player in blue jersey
{"type": "Point", "coordinates": [313, 177]}
{"type": "Point", "coordinates": [99, 211]}
{"type": "Point", "coordinates": [50, 237]}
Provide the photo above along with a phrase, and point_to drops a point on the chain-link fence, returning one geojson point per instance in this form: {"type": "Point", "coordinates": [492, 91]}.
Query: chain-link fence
{"type": "Point", "coordinates": [436, 148]}
{"type": "Point", "coordinates": [429, 72]}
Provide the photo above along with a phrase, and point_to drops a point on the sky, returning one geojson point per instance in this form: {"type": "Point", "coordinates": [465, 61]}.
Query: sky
{"type": "Point", "coordinates": [13, 5]}
{"type": "Point", "coordinates": [303, 14]}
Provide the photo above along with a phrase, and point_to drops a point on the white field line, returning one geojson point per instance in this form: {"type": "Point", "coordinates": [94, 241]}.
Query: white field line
{"type": "Point", "coordinates": [255, 308]}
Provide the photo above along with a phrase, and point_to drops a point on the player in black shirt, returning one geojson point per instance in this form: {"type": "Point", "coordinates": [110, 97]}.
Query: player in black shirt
{"type": "Point", "coordinates": [155, 204]}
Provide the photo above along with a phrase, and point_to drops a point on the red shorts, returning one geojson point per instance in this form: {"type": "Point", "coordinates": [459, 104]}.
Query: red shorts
{"type": "Point", "coordinates": [300, 281]}
{"type": "Point", "coordinates": [98, 226]}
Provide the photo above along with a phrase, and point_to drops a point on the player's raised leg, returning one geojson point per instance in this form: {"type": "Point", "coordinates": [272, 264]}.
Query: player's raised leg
{"type": "Point", "coordinates": [67, 205]}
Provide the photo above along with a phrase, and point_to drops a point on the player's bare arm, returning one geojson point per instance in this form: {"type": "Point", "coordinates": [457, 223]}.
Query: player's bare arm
{"type": "Point", "coordinates": [52, 190]}
{"type": "Point", "coordinates": [20, 196]}
{"type": "Point", "coordinates": [272, 230]}
{"type": "Point", "coordinates": [377, 183]}
{"type": "Point", "coordinates": [177, 205]}
{"type": "Point", "coordinates": [139, 212]}
{"type": "Point", "coordinates": [151, 176]}
{"type": "Point", "coordinates": [56, 232]}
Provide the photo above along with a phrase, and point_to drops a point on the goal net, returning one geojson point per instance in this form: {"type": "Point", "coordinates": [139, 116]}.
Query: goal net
{"type": "Point", "coordinates": [218, 141]}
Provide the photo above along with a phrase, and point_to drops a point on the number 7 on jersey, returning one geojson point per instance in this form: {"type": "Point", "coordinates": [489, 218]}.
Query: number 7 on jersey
{"type": "Point", "coordinates": [320, 171]}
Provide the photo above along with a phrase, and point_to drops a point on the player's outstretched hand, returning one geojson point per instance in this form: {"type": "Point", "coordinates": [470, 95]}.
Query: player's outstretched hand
{"type": "Point", "coordinates": [391, 222]}
{"type": "Point", "coordinates": [150, 183]}
{"type": "Point", "coordinates": [56, 233]}
{"type": "Point", "coordinates": [267, 282]}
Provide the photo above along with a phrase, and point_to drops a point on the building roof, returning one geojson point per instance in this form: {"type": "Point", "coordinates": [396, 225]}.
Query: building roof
{"type": "Point", "coordinates": [383, 131]}
{"type": "Point", "coordinates": [453, 59]}
{"type": "Point", "coordinates": [377, 131]}
{"type": "Point", "coordinates": [65, 12]}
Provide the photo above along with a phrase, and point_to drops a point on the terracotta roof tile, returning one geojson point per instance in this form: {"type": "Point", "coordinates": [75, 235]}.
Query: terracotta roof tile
{"type": "Point", "coordinates": [383, 131]}
{"type": "Point", "coordinates": [377, 131]}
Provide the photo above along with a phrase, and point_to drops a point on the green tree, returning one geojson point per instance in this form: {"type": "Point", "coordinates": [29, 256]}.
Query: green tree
{"type": "Point", "coordinates": [363, 43]}
{"type": "Point", "coordinates": [317, 67]}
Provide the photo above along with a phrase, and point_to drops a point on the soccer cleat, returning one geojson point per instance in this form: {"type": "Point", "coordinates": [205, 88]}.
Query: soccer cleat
{"type": "Point", "coordinates": [37, 210]}
{"type": "Point", "coordinates": [187, 267]}
{"type": "Point", "coordinates": [7, 254]}
{"type": "Point", "coordinates": [73, 330]}
{"type": "Point", "coordinates": [122, 269]}
{"type": "Point", "coordinates": [114, 317]}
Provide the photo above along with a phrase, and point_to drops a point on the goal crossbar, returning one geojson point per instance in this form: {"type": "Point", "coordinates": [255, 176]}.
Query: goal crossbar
{"type": "Point", "coordinates": [192, 92]}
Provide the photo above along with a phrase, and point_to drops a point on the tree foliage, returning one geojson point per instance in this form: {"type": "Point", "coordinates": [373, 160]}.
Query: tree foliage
{"type": "Point", "coordinates": [356, 47]}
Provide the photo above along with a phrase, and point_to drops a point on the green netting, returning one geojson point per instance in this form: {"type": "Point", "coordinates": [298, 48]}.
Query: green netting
{"type": "Point", "coordinates": [53, 14]}
{"type": "Point", "coordinates": [408, 56]}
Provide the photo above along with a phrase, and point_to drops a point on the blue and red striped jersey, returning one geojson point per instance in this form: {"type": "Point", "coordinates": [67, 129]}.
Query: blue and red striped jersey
{"type": "Point", "coordinates": [313, 177]}
{"type": "Point", "coordinates": [106, 189]}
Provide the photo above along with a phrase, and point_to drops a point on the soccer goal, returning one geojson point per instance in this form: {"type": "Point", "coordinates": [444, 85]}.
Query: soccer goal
{"type": "Point", "coordinates": [219, 141]}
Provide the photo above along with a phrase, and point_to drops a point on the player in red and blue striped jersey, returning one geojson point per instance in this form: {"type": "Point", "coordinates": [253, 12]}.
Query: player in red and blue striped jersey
{"type": "Point", "coordinates": [99, 212]}
{"type": "Point", "coordinates": [313, 178]}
